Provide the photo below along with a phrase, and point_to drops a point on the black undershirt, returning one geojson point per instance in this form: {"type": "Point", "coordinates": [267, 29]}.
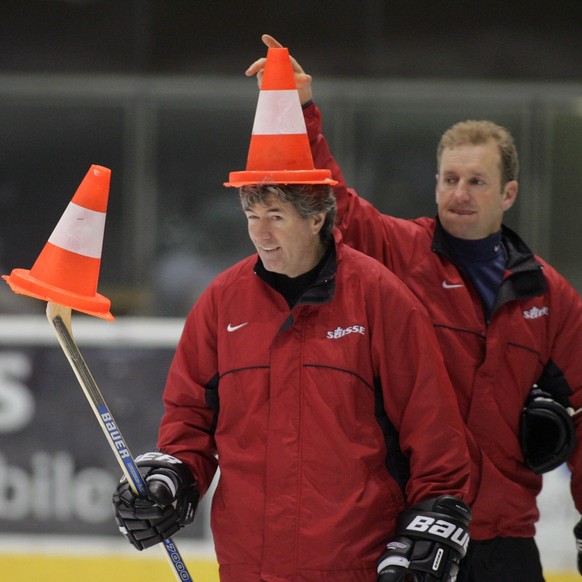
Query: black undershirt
{"type": "Point", "coordinates": [291, 287]}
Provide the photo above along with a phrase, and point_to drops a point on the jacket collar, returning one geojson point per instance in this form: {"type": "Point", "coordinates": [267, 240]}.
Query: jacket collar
{"type": "Point", "coordinates": [524, 276]}
{"type": "Point", "coordinates": [323, 288]}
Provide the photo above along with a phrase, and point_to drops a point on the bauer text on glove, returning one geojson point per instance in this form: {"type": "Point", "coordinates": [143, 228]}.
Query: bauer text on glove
{"type": "Point", "coordinates": [431, 538]}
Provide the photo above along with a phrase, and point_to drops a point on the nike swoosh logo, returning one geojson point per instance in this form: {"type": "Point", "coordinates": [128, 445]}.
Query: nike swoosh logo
{"type": "Point", "coordinates": [235, 327]}
{"type": "Point", "coordinates": [451, 285]}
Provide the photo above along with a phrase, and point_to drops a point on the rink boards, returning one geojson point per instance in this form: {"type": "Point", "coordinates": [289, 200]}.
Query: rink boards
{"type": "Point", "coordinates": [57, 472]}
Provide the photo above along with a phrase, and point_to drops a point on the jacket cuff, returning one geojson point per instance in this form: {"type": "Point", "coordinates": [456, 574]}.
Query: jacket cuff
{"type": "Point", "coordinates": [312, 117]}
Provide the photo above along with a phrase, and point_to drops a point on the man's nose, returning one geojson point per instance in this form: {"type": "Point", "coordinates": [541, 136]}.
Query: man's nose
{"type": "Point", "coordinates": [261, 229]}
{"type": "Point", "coordinates": [462, 190]}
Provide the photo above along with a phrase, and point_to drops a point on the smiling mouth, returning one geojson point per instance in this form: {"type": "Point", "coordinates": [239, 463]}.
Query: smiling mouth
{"type": "Point", "coordinates": [463, 212]}
{"type": "Point", "coordinates": [269, 249]}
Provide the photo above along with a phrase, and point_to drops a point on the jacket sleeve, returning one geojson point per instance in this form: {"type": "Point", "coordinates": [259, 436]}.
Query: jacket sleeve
{"type": "Point", "coordinates": [187, 427]}
{"type": "Point", "coordinates": [565, 351]}
{"type": "Point", "coordinates": [363, 227]}
{"type": "Point", "coordinates": [419, 399]}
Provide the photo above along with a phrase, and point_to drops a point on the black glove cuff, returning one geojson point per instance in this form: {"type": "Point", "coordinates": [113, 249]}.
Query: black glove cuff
{"type": "Point", "coordinates": [449, 527]}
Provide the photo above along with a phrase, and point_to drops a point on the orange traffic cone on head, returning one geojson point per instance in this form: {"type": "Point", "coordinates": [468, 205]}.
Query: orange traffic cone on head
{"type": "Point", "coordinates": [279, 152]}
{"type": "Point", "coordinates": [67, 270]}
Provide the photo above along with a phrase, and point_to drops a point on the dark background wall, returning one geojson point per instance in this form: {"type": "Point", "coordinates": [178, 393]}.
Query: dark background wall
{"type": "Point", "coordinates": [455, 39]}
{"type": "Point", "coordinates": [155, 90]}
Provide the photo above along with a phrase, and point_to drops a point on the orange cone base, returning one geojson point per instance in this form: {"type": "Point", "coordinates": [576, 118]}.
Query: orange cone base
{"type": "Point", "coordinates": [248, 178]}
{"type": "Point", "coordinates": [23, 283]}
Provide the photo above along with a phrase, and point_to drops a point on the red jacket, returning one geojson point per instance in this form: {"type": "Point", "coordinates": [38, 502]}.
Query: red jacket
{"type": "Point", "coordinates": [312, 413]}
{"type": "Point", "coordinates": [536, 324]}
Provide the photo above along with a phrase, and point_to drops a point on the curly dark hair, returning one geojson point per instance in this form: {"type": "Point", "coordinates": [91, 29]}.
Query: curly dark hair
{"type": "Point", "coordinates": [307, 199]}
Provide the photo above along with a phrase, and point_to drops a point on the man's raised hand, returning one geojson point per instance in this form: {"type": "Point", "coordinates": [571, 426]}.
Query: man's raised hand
{"type": "Point", "coordinates": [302, 79]}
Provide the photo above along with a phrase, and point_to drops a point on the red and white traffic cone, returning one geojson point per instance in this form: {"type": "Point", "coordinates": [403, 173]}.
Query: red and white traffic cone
{"type": "Point", "coordinates": [279, 151]}
{"type": "Point", "coordinates": [67, 270]}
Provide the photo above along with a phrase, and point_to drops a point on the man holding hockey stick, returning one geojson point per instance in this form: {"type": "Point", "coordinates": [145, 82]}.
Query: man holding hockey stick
{"type": "Point", "coordinates": [509, 326]}
{"type": "Point", "coordinates": [311, 376]}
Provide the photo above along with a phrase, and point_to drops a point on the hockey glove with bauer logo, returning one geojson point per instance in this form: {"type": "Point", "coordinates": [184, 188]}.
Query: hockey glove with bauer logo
{"type": "Point", "coordinates": [172, 498]}
{"type": "Point", "coordinates": [431, 538]}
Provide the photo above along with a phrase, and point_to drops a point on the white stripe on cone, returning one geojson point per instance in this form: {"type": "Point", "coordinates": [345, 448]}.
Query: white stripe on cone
{"type": "Point", "coordinates": [80, 231]}
{"type": "Point", "coordinates": [279, 113]}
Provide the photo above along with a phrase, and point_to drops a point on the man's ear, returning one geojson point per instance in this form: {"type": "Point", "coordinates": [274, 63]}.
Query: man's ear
{"type": "Point", "coordinates": [318, 221]}
{"type": "Point", "coordinates": [509, 194]}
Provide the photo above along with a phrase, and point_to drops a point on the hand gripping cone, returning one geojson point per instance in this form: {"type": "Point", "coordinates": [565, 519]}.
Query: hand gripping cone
{"type": "Point", "coordinates": [279, 151]}
{"type": "Point", "coordinates": [67, 270]}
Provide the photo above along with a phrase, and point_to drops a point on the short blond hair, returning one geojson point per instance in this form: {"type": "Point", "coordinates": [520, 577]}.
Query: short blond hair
{"type": "Point", "coordinates": [477, 132]}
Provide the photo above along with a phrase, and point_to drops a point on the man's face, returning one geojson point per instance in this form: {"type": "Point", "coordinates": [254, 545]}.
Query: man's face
{"type": "Point", "coordinates": [470, 199]}
{"type": "Point", "coordinates": [287, 244]}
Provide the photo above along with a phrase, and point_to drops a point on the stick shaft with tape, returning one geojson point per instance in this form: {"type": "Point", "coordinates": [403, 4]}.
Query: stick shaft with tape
{"type": "Point", "coordinates": [59, 317]}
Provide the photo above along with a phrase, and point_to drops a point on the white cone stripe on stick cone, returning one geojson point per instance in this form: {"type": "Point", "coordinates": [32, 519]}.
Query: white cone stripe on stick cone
{"type": "Point", "coordinates": [279, 113]}
{"type": "Point", "coordinates": [67, 269]}
{"type": "Point", "coordinates": [80, 230]}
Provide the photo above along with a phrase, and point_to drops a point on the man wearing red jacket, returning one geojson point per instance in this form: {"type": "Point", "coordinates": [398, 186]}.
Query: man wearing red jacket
{"type": "Point", "coordinates": [311, 376]}
{"type": "Point", "coordinates": [505, 320]}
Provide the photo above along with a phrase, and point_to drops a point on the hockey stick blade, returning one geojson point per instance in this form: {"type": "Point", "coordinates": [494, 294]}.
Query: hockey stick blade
{"type": "Point", "coordinates": [59, 317]}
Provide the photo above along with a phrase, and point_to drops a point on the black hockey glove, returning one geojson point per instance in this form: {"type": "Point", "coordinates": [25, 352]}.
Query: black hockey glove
{"type": "Point", "coordinates": [578, 535]}
{"type": "Point", "coordinates": [547, 431]}
{"type": "Point", "coordinates": [432, 537]}
{"type": "Point", "coordinates": [170, 504]}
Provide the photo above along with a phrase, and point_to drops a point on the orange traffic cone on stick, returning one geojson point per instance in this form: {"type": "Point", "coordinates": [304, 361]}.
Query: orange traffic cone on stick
{"type": "Point", "coordinates": [279, 152]}
{"type": "Point", "coordinates": [67, 270]}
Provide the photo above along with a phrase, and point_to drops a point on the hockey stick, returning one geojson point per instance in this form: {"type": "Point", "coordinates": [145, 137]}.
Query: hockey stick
{"type": "Point", "coordinates": [59, 317]}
